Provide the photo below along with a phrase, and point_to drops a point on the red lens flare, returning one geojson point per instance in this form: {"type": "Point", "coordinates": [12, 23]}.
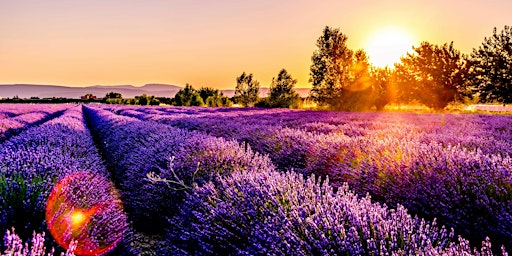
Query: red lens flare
{"type": "Point", "coordinates": [85, 208]}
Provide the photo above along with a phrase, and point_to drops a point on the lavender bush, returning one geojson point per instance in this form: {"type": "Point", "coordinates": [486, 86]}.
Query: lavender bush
{"type": "Point", "coordinates": [271, 213]}
{"type": "Point", "coordinates": [135, 149]}
{"type": "Point", "coordinates": [33, 162]}
{"type": "Point", "coordinates": [208, 186]}
{"type": "Point", "coordinates": [455, 168]}
{"type": "Point", "coordinates": [33, 116]}
{"type": "Point", "coordinates": [15, 246]}
{"type": "Point", "coordinates": [12, 110]}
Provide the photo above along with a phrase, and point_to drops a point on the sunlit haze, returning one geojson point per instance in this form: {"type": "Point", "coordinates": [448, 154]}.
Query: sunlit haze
{"type": "Point", "coordinates": [209, 43]}
{"type": "Point", "coordinates": [387, 46]}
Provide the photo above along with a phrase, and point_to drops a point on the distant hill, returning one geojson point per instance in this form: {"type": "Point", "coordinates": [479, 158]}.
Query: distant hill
{"type": "Point", "coordinates": [127, 91]}
{"type": "Point", "coordinates": [48, 91]}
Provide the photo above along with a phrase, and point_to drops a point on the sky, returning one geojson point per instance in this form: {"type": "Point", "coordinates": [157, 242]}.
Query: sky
{"type": "Point", "coordinates": [210, 43]}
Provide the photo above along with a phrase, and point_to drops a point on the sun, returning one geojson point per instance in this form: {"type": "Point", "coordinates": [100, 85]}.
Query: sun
{"type": "Point", "coordinates": [385, 47]}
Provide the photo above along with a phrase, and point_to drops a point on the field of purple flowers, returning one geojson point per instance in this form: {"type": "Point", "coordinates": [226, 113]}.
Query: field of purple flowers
{"type": "Point", "coordinates": [227, 181]}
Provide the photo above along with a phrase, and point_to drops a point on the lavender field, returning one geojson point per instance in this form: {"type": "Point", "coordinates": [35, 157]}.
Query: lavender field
{"type": "Point", "coordinates": [128, 180]}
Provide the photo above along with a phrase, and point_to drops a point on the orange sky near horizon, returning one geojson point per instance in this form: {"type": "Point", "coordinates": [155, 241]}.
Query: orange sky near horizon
{"type": "Point", "coordinates": [210, 43]}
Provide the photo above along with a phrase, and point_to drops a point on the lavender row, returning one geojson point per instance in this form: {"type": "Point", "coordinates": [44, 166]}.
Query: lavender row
{"type": "Point", "coordinates": [154, 164]}
{"type": "Point", "coordinates": [195, 111]}
{"type": "Point", "coordinates": [447, 129]}
{"type": "Point", "coordinates": [12, 110]}
{"type": "Point", "coordinates": [33, 161]}
{"type": "Point", "coordinates": [249, 211]}
{"type": "Point", "coordinates": [271, 213]}
{"type": "Point", "coordinates": [14, 125]}
{"type": "Point", "coordinates": [465, 189]}
{"type": "Point", "coordinates": [462, 183]}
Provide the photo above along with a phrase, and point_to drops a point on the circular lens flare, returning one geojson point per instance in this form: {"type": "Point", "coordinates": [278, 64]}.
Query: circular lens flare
{"type": "Point", "coordinates": [84, 208]}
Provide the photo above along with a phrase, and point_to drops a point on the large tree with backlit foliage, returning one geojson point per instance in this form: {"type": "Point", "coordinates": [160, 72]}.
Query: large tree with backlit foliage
{"type": "Point", "coordinates": [491, 72]}
{"type": "Point", "coordinates": [340, 76]}
{"type": "Point", "coordinates": [432, 74]}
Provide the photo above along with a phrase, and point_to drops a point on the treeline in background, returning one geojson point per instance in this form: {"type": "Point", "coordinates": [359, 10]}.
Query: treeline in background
{"type": "Point", "coordinates": [431, 75]}
{"type": "Point", "coordinates": [343, 79]}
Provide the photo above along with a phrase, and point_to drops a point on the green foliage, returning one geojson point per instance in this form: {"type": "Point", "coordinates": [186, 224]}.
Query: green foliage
{"type": "Point", "coordinates": [113, 95]}
{"type": "Point", "coordinates": [384, 91]}
{"type": "Point", "coordinates": [247, 90]}
{"type": "Point", "coordinates": [263, 103]}
{"type": "Point", "coordinates": [214, 101]}
{"type": "Point", "coordinates": [21, 202]}
{"type": "Point", "coordinates": [188, 96]}
{"type": "Point", "coordinates": [154, 102]}
{"type": "Point", "coordinates": [206, 92]}
{"type": "Point", "coordinates": [492, 67]}
{"type": "Point", "coordinates": [218, 101]}
{"type": "Point", "coordinates": [114, 101]}
{"type": "Point", "coordinates": [226, 102]}
{"type": "Point", "coordinates": [330, 66]}
{"type": "Point", "coordinates": [144, 100]}
{"type": "Point", "coordinates": [213, 98]}
{"type": "Point", "coordinates": [196, 100]}
{"type": "Point", "coordinates": [434, 75]}
{"type": "Point", "coordinates": [282, 94]}
{"type": "Point", "coordinates": [341, 77]}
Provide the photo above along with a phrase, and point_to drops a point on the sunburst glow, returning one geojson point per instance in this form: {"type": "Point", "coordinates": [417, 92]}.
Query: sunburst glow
{"type": "Point", "coordinates": [78, 218]}
{"type": "Point", "coordinates": [387, 46]}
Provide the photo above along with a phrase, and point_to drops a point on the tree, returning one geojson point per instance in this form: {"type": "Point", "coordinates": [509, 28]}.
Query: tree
{"type": "Point", "coordinates": [282, 94]}
{"type": "Point", "coordinates": [113, 95]}
{"type": "Point", "coordinates": [357, 94]}
{"type": "Point", "coordinates": [206, 92]}
{"type": "Point", "coordinates": [154, 101]}
{"type": "Point", "coordinates": [329, 71]}
{"type": "Point", "coordinates": [340, 76]}
{"type": "Point", "coordinates": [226, 102]}
{"type": "Point", "coordinates": [143, 99]}
{"type": "Point", "coordinates": [383, 86]}
{"type": "Point", "coordinates": [196, 100]}
{"type": "Point", "coordinates": [188, 96]}
{"type": "Point", "coordinates": [491, 71]}
{"type": "Point", "coordinates": [212, 97]}
{"type": "Point", "coordinates": [434, 75]}
{"type": "Point", "coordinates": [113, 98]}
{"type": "Point", "coordinates": [247, 90]}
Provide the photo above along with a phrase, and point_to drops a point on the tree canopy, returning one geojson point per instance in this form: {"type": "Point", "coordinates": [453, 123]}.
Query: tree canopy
{"type": "Point", "coordinates": [247, 90]}
{"type": "Point", "coordinates": [329, 71]}
{"type": "Point", "coordinates": [113, 95]}
{"type": "Point", "coordinates": [282, 94]}
{"type": "Point", "coordinates": [491, 71]}
{"type": "Point", "coordinates": [340, 76]}
{"type": "Point", "coordinates": [434, 75]}
{"type": "Point", "coordinates": [213, 97]}
{"type": "Point", "coordinates": [383, 84]}
{"type": "Point", "coordinates": [188, 96]}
